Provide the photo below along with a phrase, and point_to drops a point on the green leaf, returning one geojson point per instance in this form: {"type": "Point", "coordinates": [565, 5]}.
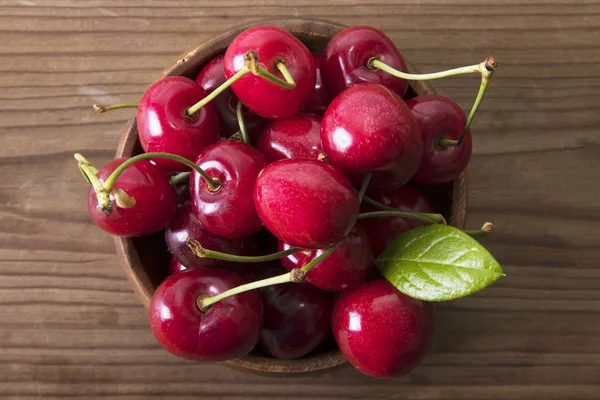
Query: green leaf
{"type": "Point", "coordinates": [438, 263]}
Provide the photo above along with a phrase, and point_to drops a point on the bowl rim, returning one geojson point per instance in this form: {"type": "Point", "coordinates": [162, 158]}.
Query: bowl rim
{"type": "Point", "coordinates": [125, 248]}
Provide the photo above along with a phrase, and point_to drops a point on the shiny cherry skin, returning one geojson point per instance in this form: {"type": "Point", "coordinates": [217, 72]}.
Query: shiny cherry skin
{"type": "Point", "coordinates": [229, 211]}
{"type": "Point", "coordinates": [381, 331]}
{"type": "Point", "coordinates": [437, 117]}
{"type": "Point", "coordinates": [344, 269]}
{"type": "Point", "coordinates": [320, 98]}
{"type": "Point", "coordinates": [297, 315]}
{"type": "Point", "coordinates": [185, 225]}
{"type": "Point", "coordinates": [383, 230]}
{"type": "Point", "coordinates": [175, 266]}
{"type": "Point", "coordinates": [162, 124]}
{"type": "Point", "coordinates": [155, 200]}
{"type": "Point", "coordinates": [271, 44]}
{"type": "Point", "coordinates": [346, 57]}
{"type": "Point", "coordinates": [295, 137]}
{"type": "Point", "coordinates": [369, 128]}
{"type": "Point", "coordinates": [306, 203]}
{"type": "Point", "coordinates": [211, 77]}
{"type": "Point", "coordinates": [229, 329]}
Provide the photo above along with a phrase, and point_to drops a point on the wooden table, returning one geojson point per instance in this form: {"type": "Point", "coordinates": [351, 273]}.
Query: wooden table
{"type": "Point", "coordinates": [71, 327]}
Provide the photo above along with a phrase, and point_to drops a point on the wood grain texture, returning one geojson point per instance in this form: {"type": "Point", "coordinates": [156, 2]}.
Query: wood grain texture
{"type": "Point", "coordinates": [70, 325]}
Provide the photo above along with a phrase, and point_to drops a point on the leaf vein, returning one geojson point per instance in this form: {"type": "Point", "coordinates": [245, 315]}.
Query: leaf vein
{"type": "Point", "coordinates": [431, 245]}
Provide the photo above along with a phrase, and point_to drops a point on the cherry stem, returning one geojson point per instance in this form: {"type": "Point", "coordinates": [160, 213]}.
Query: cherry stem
{"type": "Point", "coordinates": [485, 230]}
{"type": "Point", "coordinates": [251, 66]}
{"type": "Point", "coordinates": [296, 275]}
{"type": "Point", "coordinates": [201, 252]}
{"type": "Point", "coordinates": [205, 302]}
{"type": "Point", "coordinates": [363, 188]}
{"type": "Point", "coordinates": [241, 123]}
{"type": "Point", "coordinates": [100, 109]}
{"type": "Point", "coordinates": [442, 143]}
{"type": "Point", "coordinates": [485, 80]}
{"type": "Point", "coordinates": [189, 113]}
{"type": "Point", "coordinates": [280, 65]}
{"type": "Point", "coordinates": [320, 258]}
{"type": "Point", "coordinates": [431, 218]}
{"type": "Point", "coordinates": [105, 190]}
{"type": "Point", "coordinates": [82, 160]}
{"type": "Point", "coordinates": [214, 184]}
{"type": "Point", "coordinates": [426, 218]}
{"type": "Point", "coordinates": [485, 67]}
{"type": "Point", "coordinates": [236, 136]}
{"type": "Point", "coordinates": [89, 173]}
{"type": "Point", "coordinates": [180, 178]}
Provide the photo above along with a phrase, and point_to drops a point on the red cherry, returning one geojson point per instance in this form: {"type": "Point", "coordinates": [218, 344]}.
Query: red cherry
{"type": "Point", "coordinates": [162, 124]}
{"type": "Point", "coordinates": [211, 77]}
{"type": "Point", "coordinates": [345, 268]}
{"type": "Point", "coordinates": [229, 329]}
{"type": "Point", "coordinates": [297, 315]}
{"type": "Point", "coordinates": [438, 117]}
{"type": "Point", "coordinates": [185, 225]}
{"type": "Point", "coordinates": [381, 331]}
{"type": "Point", "coordinates": [175, 266]}
{"type": "Point", "coordinates": [320, 98]}
{"type": "Point", "coordinates": [369, 128]}
{"type": "Point", "coordinates": [271, 44]}
{"type": "Point", "coordinates": [155, 200]}
{"type": "Point", "coordinates": [346, 58]}
{"type": "Point", "coordinates": [229, 211]}
{"type": "Point", "coordinates": [383, 230]}
{"type": "Point", "coordinates": [306, 203]}
{"type": "Point", "coordinates": [295, 137]}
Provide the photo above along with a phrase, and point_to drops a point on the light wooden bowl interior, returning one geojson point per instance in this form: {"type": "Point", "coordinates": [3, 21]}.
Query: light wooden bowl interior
{"type": "Point", "coordinates": [145, 259]}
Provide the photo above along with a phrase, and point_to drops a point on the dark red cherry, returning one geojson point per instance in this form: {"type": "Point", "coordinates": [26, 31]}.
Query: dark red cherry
{"type": "Point", "coordinates": [211, 77]}
{"type": "Point", "coordinates": [294, 137]}
{"type": "Point", "coordinates": [175, 266]}
{"type": "Point", "coordinates": [162, 124]}
{"type": "Point", "coordinates": [183, 192]}
{"type": "Point", "coordinates": [271, 44]}
{"type": "Point", "coordinates": [344, 269]}
{"type": "Point", "coordinates": [306, 203]}
{"type": "Point", "coordinates": [320, 98]}
{"type": "Point", "coordinates": [381, 331]}
{"type": "Point", "coordinates": [381, 180]}
{"type": "Point", "coordinates": [346, 57]}
{"type": "Point", "coordinates": [383, 230]}
{"type": "Point", "coordinates": [229, 329]}
{"type": "Point", "coordinates": [297, 319]}
{"type": "Point", "coordinates": [437, 117]}
{"type": "Point", "coordinates": [155, 200]}
{"type": "Point", "coordinates": [369, 128]}
{"type": "Point", "coordinates": [229, 211]}
{"type": "Point", "coordinates": [297, 315]}
{"type": "Point", "coordinates": [185, 225]}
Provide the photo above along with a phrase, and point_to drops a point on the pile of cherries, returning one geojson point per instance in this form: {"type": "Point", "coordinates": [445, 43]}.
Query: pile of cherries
{"type": "Point", "coordinates": [270, 168]}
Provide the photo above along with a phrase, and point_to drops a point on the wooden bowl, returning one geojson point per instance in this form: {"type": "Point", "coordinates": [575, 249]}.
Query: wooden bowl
{"type": "Point", "coordinates": [145, 259]}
